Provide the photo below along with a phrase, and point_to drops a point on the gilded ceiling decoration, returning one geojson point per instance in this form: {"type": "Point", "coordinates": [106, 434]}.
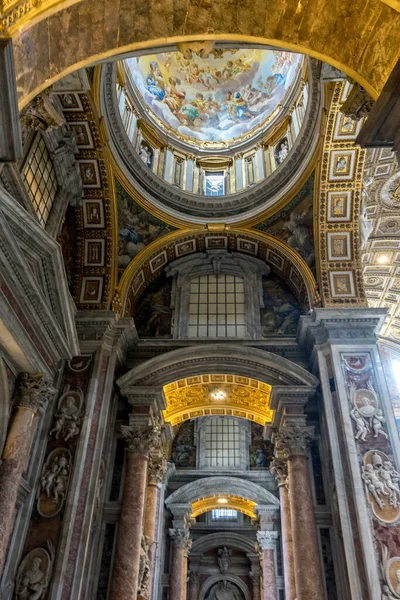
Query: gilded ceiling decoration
{"type": "Point", "coordinates": [380, 226]}
{"type": "Point", "coordinates": [218, 395]}
{"type": "Point", "coordinates": [230, 501]}
{"type": "Point", "coordinates": [339, 201]}
{"type": "Point", "coordinates": [217, 98]}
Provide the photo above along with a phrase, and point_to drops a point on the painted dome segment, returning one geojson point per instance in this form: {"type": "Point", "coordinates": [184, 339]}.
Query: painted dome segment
{"type": "Point", "coordinates": [215, 99]}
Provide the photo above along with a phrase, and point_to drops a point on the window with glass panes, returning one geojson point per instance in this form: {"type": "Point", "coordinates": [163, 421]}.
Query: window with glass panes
{"type": "Point", "coordinates": [224, 514]}
{"type": "Point", "coordinates": [222, 442]}
{"type": "Point", "coordinates": [40, 179]}
{"type": "Point", "coordinates": [216, 306]}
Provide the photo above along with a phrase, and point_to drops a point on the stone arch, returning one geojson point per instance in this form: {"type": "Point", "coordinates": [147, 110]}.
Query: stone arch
{"type": "Point", "coordinates": [208, 486]}
{"type": "Point", "coordinates": [215, 578]}
{"type": "Point", "coordinates": [4, 403]}
{"type": "Point", "coordinates": [53, 44]}
{"type": "Point", "coordinates": [218, 358]}
{"type": "Point", "coordinates": [283, 261]}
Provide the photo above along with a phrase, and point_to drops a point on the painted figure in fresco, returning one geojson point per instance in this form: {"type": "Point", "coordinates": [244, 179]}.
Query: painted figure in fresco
{"type": "Point", "coordinates": [272, 83]}
{"type": "Point", "coordinates": [238, 108]}
{"type": "Point", "coordinates": [174, 98]}
{"type": "Point", "coordinates": [155, 82]}
{"type": "Point", "coordinates": [298, 226]}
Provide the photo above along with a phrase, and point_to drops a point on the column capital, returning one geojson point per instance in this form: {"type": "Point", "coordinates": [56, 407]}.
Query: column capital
{"type": "Point", "coordinates": [194, 576]}
{"type": "Point", "coordinates": [158, 465]}
{"type": "Point", "coordinates": [141, 438]}
{"type": "Point", "coordinates": [279, 470]}
{"type": "Point", "coordinates": [293, 441]}
{"type": "Point", "coordinates": [34, 391]}
{"type": "Point", "coordinates": [267, 540]}
{"type": "Point", "coordinates": [181, 539]}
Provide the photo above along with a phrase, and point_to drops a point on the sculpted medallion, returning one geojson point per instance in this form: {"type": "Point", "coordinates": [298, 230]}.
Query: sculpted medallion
{"type": "Point", "coordinates": [390, 568]}
{"type": "Point", "coordinates": [381, 481]}
{"type": "Point", "coordinates": [67, 420]}
{"type": "Point", "coordinates": [34, 573]}
{"type": "Point", "coordinates": [53, 483]}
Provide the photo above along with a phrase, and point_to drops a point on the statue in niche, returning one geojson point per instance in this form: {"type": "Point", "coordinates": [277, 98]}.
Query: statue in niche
{"type": "Point", "coordinates": [67, 420]}
{"type": "Point", "coordinates": [225, 590]}
{"type": "Point", "coordinates": [144, 567]}
{"type": "Point", "coordinates": [146, 154]}
{"type": "Point", "coordinates": [34, 574]}
{"type": "Point", "coordinates": [224, 557]}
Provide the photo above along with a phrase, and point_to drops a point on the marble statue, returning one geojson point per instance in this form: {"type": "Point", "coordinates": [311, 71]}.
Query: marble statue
{"type": "Point", "coordinates": [67, 418]}
{"type": "Point", "coordinates": [373, 484]}
{"type": "Point", "coordinates": [224, 559]}
{"type": "Point", "coordinates": [34, 573]}
{"type": "Point", "coordinates": [362, 428]}
{"type": "Point", "coordinates": [377, 424]}
{"type": "Point", "coordinates": [54, 479]}
{"type": "Point", "coordinates": [390, 477]}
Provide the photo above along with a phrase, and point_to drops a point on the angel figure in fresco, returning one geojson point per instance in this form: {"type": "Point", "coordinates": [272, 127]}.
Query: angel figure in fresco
{"type": "Point", "coordinates": [155, 82]}
{"type": "Point", "coordinates": [174, 98]}
{"type": "Point", "coordinates": [238, 108]}
{"type": "Point", "coordinates": [298, 226]}
{"type": "Point", "coordinates": [272, 83]}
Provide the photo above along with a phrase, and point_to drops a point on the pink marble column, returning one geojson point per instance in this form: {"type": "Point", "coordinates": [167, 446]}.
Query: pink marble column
{"type": "Point", "coordinates": [157, 469]}
{"type": "Point", "coordinates": [33, 395]}
{"type": "Point", "coordinates": [278, 468]}
{"type": "Point", "coordinates": [194, 580]}
{"type": "Point", "coordinates": [267, 541]}
{"type": "Point", "coordinates": [125, 577]}
{"type": "Point", "coordinates": [293, 442]}
{"type": "Point", "coordinates": [181, 544]}
{"type": "Point", "coordinates": [255, 584]}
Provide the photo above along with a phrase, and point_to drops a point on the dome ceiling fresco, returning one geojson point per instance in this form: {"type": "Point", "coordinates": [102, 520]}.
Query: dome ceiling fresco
{"type": "Point", "coordinates": [223, 97]}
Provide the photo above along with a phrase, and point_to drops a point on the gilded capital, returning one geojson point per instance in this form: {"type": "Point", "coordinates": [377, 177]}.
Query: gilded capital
{"type": "Point", "coordinates": [278, 468]}
{"type": "Point", "coordinates": [181, 539]}
{"type": "Point", "coordinates": [293, 441]}
{"type": "Point", "coordinates": [34, 391]}
{"type": "Point", "coordinates": [141, 439]}
{"type": "Point", "coordinates": [267, 540]}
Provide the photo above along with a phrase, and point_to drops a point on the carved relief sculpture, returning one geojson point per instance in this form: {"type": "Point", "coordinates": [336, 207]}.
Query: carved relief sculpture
{"type": "Point", "coordinates": [381, 485]}
{"type": "Point", "coordinates": [366, 414]}
{"type": "Point", "coordinates": [34, 573]}
{"type": "Point", "coordinates": [390, 570]}
{"type": "Point", "coordinates": [144, 567]}
{"type": "Point", "coordinates": [67, 420]}
{"type": "Point", "coordinates": [53, 482]}
{"type": "Point", "coordinates": [224, 556]}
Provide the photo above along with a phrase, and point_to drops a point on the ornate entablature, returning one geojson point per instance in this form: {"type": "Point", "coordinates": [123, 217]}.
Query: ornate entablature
{"type": "Point", "coordinates": [265, 113]}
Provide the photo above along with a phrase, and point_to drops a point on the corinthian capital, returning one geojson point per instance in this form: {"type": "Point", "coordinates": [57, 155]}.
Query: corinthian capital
{"type": "Point", "coordinates": [267, 540]}
{"type": "Point", "coordinates": [34, 391]}
{"type": "Point", "coordinates": [278, 468]}
{"type": "Point", "coordinates": [181, 539]}
{"type": "Point", "coordinates": [157, 465]}
{"type": "Point", "coordinates": [293, 441]}
{"type": "Point", "coordinates": [141, 439]}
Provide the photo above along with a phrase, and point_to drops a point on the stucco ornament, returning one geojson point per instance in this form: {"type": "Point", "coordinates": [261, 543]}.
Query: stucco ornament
{"type": "Point", "coordinates": [294, 441]}
{"type": "Point", "coordinates": [34, 574]}
{"type": "Point", "coordinates": [34, 391]}
{"type": "Point", "coordinates": [224, 558]}
{"type": "Point", "coordinates": [366, 414]}
{"type": "Point", "coordinates": [140, 439]}
{"type": "Point", "coordinates": [382, 489]}
{"type": "Point", "coordinates": [68, 418]}
{"type": "Point", "coordinates": [390, 570]}
{"type": "Point", "coordinates": [144, 567]}
{"type": "Point", "coordinates": [53, 482]}
{"type": "Point", "coordinates": [278, 468]}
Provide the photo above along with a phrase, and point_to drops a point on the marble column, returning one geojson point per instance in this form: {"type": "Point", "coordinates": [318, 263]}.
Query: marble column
{"type": "Point", "coordinates": [278, 468]}
{"type": "Point", "coordinates": [181, 544]}
{"type": "Point", "coordinates": [194, 580]}
{"type": "Point", "coordinates": [130, 546]}
{"type": "Point", "coordinates": [157, 468]}
{"type": "Point", "coordinates": [34, 393]}
{"type": "Point", "coordinates": [292, 443]}
{"type": "Point", "coordinates": [267, 541]}
{"type": "Point", "coordinates": [255, 584]}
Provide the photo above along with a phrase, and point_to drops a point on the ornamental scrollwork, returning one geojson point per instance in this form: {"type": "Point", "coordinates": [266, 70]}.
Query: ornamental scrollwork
{"type": "Point", "coordinates": [294, 441]}
{"type": "Point", "coordinates": [34, 391]}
